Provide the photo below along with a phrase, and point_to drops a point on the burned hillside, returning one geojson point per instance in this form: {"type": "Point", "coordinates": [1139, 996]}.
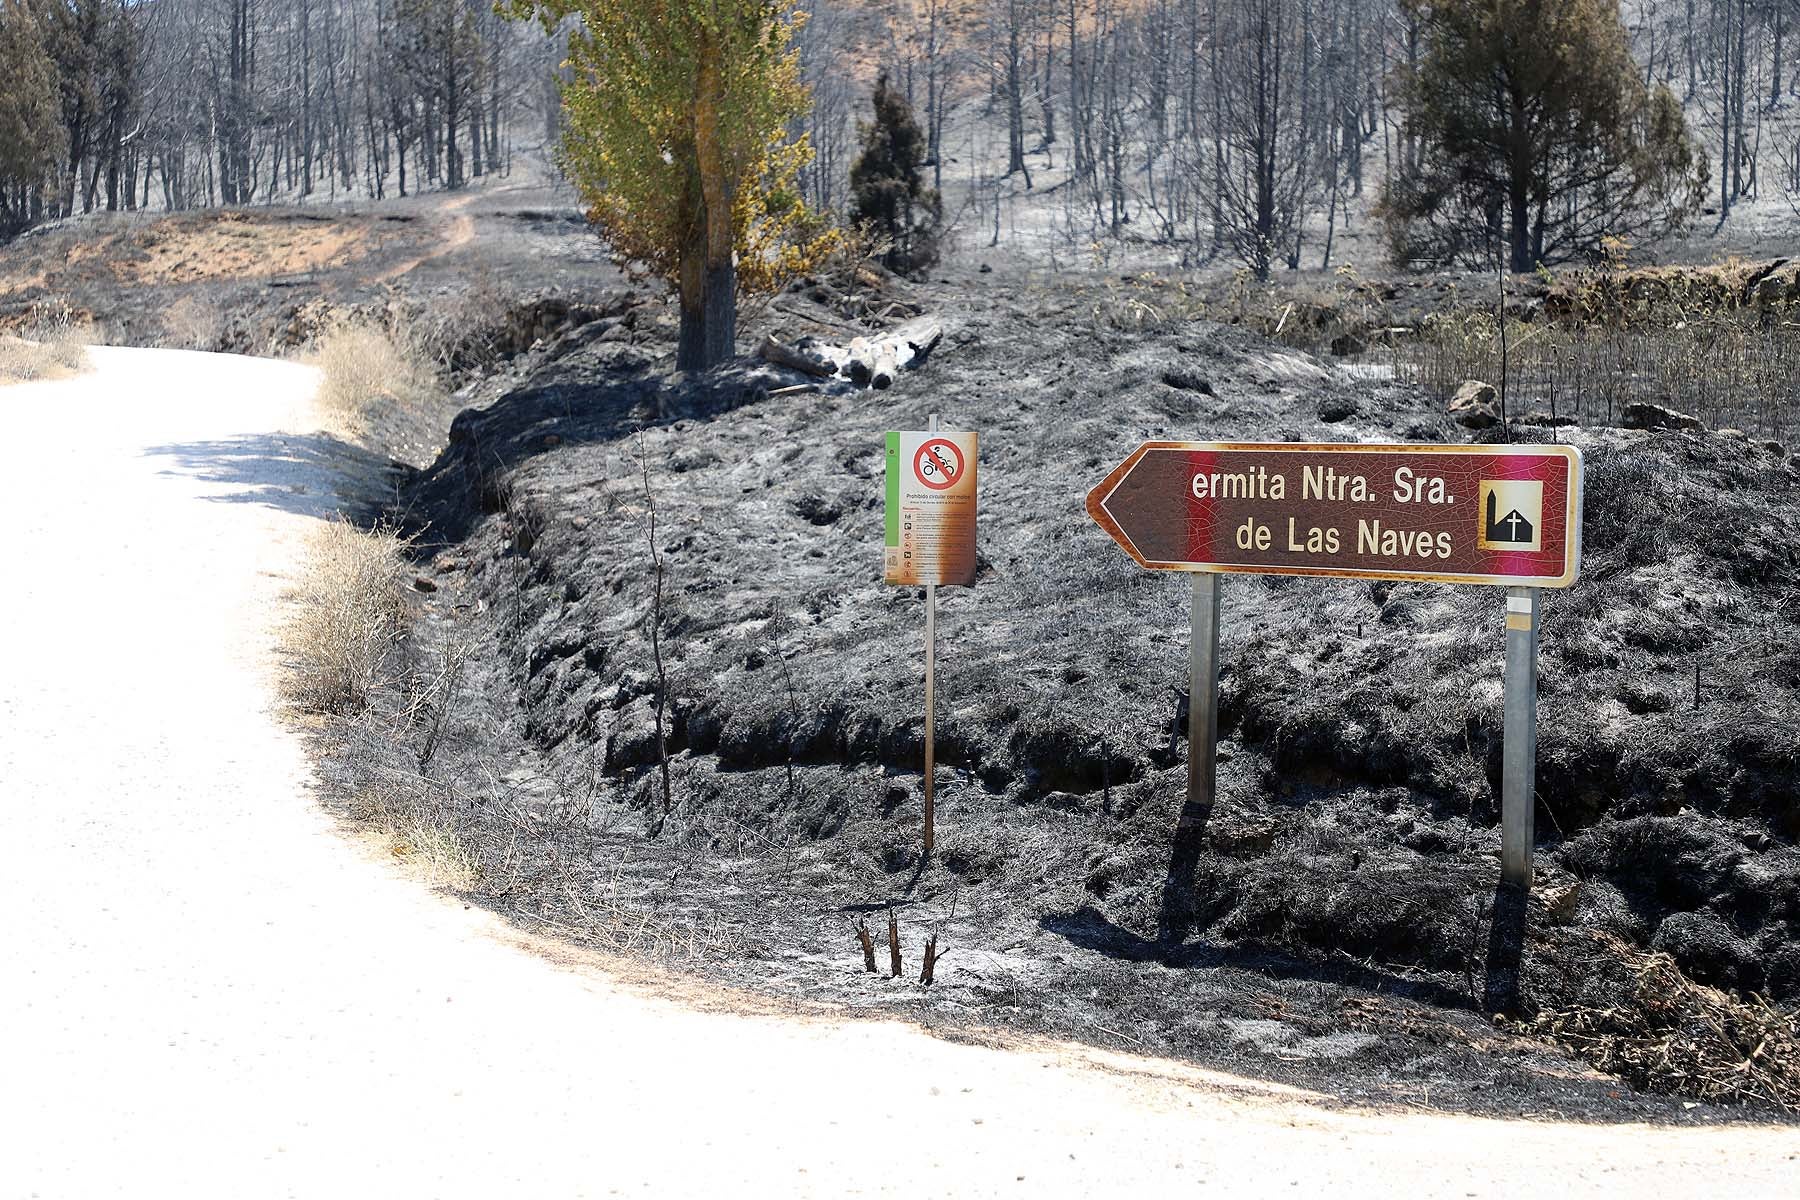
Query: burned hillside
{"type": "Point", "coordinates": [1354, 843]}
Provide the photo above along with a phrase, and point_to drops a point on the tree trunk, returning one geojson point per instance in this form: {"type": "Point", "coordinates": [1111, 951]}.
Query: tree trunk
{"type": "Point", "coordinates": [716, 336]}
{"type": "Point", "coordinates": [1015, 101]}
{"type": "Point", "coordinates": [476, 130]}
{"type": "Point", "coordinates": [1518, 186]}
{"type": "Point", "coordinates": [306, 129]}
{"type": "Point", "coordinates": [1775, 61]}
{"type": "Point", "coordinates": [690, 346]}
{"type": "Point", "coordinates": [453, 177]}
{"type": "Point", "coordinates": [721, 311]}
{"type": "Point", "coordinates": [1725, 122]}
{"type": "Point", "coordinates": [1735, 98]}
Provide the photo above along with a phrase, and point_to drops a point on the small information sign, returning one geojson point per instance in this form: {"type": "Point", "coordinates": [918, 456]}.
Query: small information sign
{"type": "Point", "coordinates": [931, 509]}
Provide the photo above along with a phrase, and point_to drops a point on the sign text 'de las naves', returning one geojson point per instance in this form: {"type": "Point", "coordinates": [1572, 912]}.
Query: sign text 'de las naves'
{"type": "Point", "coordinates": [1462, 514]}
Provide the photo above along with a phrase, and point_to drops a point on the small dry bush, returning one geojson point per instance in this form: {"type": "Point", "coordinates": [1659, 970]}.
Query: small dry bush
{"type": "Point", "coordinates": [50, 347]}
{"type": "Point", "coordinates": [346, 634]}
{"type": "Point", "coordinates": [195, 321]}
{"type": "Point", "coordinates": [373, 376]}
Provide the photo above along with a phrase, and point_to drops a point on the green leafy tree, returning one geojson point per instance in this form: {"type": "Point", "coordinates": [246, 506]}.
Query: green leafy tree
{"type": "Point", "coordinates": [678, 136]}
{"type": "Point", "coordinates": [31, 132]}
{"type": "Point", "coordinates": [1533, 136]}
{"type": "Point", "coordinates": [889, 196]}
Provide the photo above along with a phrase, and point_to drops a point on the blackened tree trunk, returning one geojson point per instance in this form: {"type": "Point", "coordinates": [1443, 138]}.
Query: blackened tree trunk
{"type": "Point", "coordinates": [721, 311]}
{"type": "Point", "coordinates": [690, 345]}
{"type": "Point", "coordinates": [707, 293]}
{"type": "Point", "coordinates": [1015, 91]}
{"type": "Point", "coordinates": [453, 177]}
{"type": "Point", "coordinates": [1518, 194]}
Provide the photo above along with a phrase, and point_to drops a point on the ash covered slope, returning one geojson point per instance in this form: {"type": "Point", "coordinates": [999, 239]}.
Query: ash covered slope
{"type": "Point", "coordinates": [1361, 722]}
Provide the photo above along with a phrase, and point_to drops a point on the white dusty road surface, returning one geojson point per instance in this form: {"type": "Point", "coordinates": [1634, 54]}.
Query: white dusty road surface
{"type": "Point", "coordinates": [206, 990]}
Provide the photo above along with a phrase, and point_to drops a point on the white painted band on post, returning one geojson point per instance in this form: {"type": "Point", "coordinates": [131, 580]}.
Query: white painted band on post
{"type": "Point", "coordinates": [1519, 604]}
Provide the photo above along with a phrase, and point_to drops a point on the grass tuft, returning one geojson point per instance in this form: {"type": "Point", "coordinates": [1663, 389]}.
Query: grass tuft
{"type": "Point", "coordinates": [371, 377]}
{"type": "Point", "coordinates": [51, 347]}
{"type": "Point", "coordinates": [350, 619]}
{"type": "Point", "coordinates": [420, 833]}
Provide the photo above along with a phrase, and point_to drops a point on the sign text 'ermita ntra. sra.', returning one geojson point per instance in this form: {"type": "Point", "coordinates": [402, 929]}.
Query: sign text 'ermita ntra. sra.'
{"type": "Point", "coordinates": [1468, 514]}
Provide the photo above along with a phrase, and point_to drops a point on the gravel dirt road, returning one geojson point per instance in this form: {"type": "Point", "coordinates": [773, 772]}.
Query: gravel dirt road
{"type": "Point", "coordinates": [208, 990]}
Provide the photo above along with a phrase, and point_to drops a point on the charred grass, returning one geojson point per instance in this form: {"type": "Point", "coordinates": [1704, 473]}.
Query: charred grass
{"type": "Point", "coordinates": [1737, 368]}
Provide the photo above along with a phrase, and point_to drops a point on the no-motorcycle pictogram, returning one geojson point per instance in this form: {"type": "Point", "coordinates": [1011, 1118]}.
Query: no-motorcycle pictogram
{"type": "Point", "coordinates": [938, 464]}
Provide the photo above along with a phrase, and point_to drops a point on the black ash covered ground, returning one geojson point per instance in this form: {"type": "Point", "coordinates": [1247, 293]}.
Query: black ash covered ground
{"type": "Point", "coordinates": [1334, 928]}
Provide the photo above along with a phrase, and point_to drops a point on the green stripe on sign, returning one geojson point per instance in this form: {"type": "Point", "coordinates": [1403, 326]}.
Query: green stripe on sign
{"type": "Point", "coordinates": [893, 489]}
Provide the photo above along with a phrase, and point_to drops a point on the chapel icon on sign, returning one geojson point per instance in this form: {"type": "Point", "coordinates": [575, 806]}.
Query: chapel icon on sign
{"type": "Point", "coordinates": [1512, 514]}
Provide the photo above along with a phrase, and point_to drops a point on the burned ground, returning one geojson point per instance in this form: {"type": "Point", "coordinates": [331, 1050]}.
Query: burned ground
{"type": "Point", "coordinates": [1334, 926]}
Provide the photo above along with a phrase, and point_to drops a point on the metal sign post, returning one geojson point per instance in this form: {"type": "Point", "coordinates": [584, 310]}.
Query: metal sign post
{"type": "Point", "coordinates": [930, 701]}
{"type": "Point", "coordinates": [1518, 791]}
{"type": "Point", "coordinates": [1203, 701]}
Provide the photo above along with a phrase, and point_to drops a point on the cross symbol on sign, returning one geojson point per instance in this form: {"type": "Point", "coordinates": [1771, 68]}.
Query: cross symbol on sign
{"type": "Point", "coordinates": [1512, 524]}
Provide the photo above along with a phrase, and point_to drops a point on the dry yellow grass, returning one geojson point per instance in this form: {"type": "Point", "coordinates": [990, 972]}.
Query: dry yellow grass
{"type": "Point", "coordinates": [343, 638]}
{"type": "Point", "coordinates": [52, 349]}
{"type": "Point", "coordinates": [419, 834]}
{"type": "Point", "coordinates": [370, 377]}
{"type": "Point", "coordinates": [345, 648]}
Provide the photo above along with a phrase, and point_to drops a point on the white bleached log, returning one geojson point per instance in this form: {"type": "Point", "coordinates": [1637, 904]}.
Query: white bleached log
{"type": "Point", "coordinates": [859, 363]}
{"type": "Point", "coordinates": [866, 361]}
{"type": "Point", "coordinates": [919, 334]}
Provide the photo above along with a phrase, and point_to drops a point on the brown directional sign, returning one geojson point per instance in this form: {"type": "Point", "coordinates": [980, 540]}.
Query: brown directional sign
{"type": "Point", "coordinates": [1459, 514]}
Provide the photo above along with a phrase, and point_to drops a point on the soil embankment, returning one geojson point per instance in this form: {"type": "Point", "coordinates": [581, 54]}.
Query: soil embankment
{"type": "Point", "coordinates": [1336, 924]}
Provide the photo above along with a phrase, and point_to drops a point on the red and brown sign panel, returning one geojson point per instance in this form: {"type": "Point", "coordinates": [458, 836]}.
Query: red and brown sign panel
{"type": "Point", "coordinates": [1457, 514]}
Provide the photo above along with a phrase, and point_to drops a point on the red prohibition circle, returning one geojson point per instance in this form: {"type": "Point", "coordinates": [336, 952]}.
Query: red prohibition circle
{"type": "Point", "coordinates": [930, 463]}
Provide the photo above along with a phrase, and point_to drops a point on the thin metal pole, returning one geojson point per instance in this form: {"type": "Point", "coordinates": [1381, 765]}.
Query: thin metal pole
{"type": "Point", "coordinates": [1518, 786]}
{"type": "Point", "coordinates": [930, 705]}
{"type": "Point", "coordinates": [1203, 700]}
{"type": "Point", "coordinates": [930, 715]}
